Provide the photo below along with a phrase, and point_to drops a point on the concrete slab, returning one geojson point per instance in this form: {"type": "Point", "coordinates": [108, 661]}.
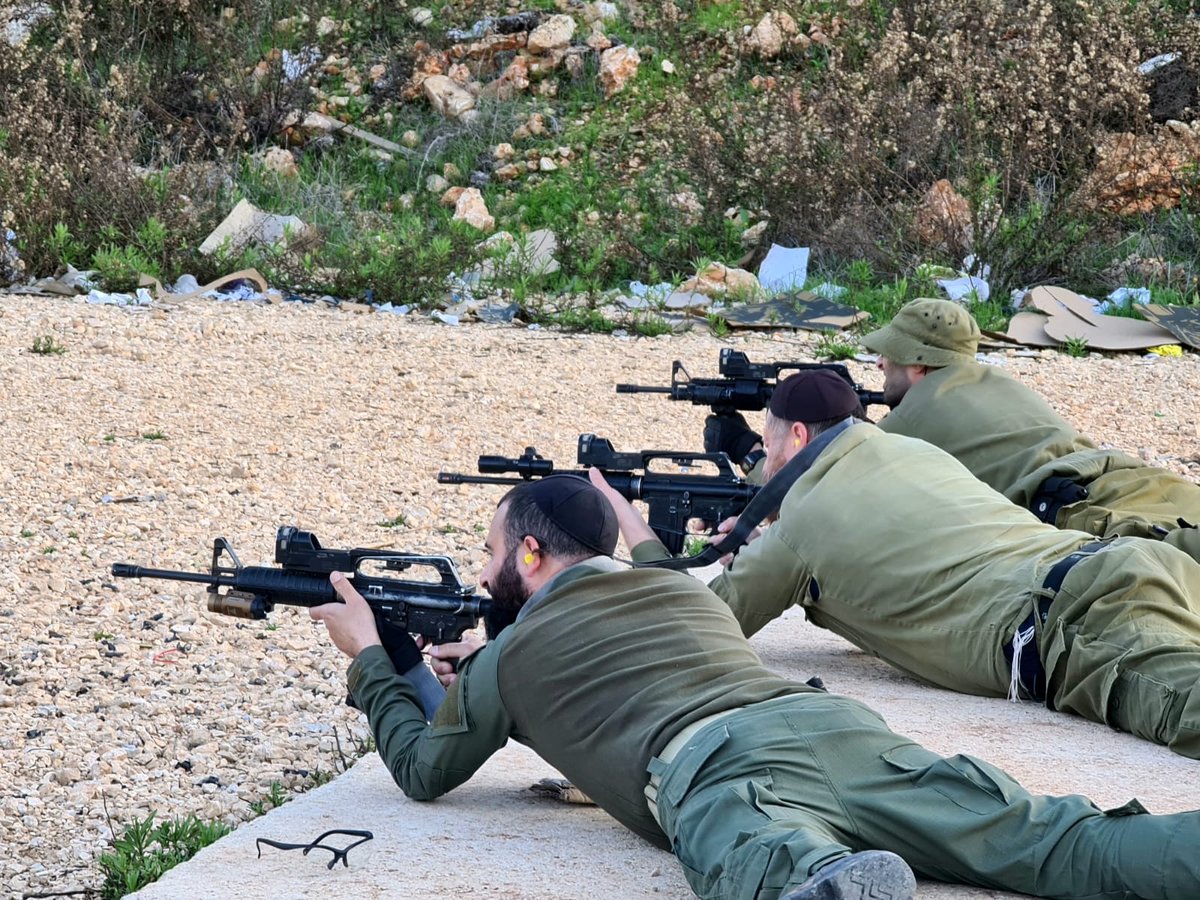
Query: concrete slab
{"type": "Point", "coordinates": [493, 838]}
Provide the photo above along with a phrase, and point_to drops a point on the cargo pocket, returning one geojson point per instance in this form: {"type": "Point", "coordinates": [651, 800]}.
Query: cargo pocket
{"type": "Point", "coordinates": [966, 782]}
{"type": "Point", "coordinates": [677, 777]}
{"type": "Point", "coordinates": [1142, 705]}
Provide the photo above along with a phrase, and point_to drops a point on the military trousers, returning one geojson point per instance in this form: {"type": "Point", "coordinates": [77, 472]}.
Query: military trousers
{"type": "Point", "coordinates": [1121, 643]}
{"type": "Point", "coordinates": [759, 800]}
{"type": "Point", "coordinates": [1142, 502]}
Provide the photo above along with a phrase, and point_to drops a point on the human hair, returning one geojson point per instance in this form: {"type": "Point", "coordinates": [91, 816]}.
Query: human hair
{"type": "Point", "coordinates": [815, 428]}
{"type": "Point", "coordinates": [525, 517]}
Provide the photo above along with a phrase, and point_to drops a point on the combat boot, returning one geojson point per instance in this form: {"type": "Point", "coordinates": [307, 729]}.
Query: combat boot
{"type": "Point", "coordinates": [869, 875]}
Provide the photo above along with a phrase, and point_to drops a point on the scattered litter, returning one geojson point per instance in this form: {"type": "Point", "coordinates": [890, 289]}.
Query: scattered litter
{"type": "Point", "coordinates": [650, 291]}
{"type": "Point", "coordinates": [827, 290]}
{"type": "Point", "coordinates": [1069, 316]}
{"type": "Point", "coordinates": [1122, 298]}
{"type": "Point", "coordinates": [1157, 62]}
{"type": "Point", "coordinates": [103, 298]}
{"type": "Point", "coordinates": [247, 224]}
{"type": "Point", "coordinates": [244, 284]}
{"type": "Point", "coordinates": [447, 318]}
{"type": "Point", "coordinates": [801, 310]}
{"type": "Point", "coordinates": [18, 28]}
{"type": "Point", "coordinates": [783, 269]}
{"type": "Point", "coordinates": [133, 498]}
{"type": "Point", "coordinates": [687, 300]}
{"type": "Point", "coordinates": [1183, 322]}
{"type": "Point", "coordinates": [297, 65]}
{"type": "Point", "coordinates": [965, 286]}
{"type": "Point", "coordinates": [66, 283]}
{"type": "Point", "coordinates": [1173, 350]}
{"type": "Point", "coordinates": [402, 310]}
{"type": "Point", "coordinates": [10, 262]}
{"type": "Point", "coordinates": [497, 315]}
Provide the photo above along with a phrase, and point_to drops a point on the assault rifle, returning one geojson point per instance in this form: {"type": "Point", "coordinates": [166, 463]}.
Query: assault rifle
{"type": "Point", "coordinates": [673, 499]}
{"type": "Point", "coordinates": [743, 385]}
{"type": "Point", "coordinates": [438, 610]}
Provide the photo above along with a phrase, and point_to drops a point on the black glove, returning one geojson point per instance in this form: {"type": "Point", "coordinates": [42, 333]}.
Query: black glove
{"type": "Point", "coordinates": [728, 433]}
{"type": "Point", "coordinates": [401, 649]}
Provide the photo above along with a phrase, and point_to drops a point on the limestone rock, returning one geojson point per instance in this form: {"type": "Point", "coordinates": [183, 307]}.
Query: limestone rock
{"type": "Point", "coordinates": [718, 280]}
{"type": "Point", "coordinates": [471, 209]}
{"type": "Point", "coordinates": [766, 39]}
{"type": "Point", "coordinates": [553, 34]}
{"type": "Point", "coordinates": [617, 66]}
{"type": "Point", "coordinates": [447, 96]}
{"type": "Point", "coordinates": [1140, 173]}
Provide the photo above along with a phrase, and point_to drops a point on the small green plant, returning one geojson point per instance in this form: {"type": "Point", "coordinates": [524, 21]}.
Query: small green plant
{"type": "Point", "coordinates": [154, 435]}
{"type": "Point", "coordinates": [448, 529]}
{"type": "Point", "coordinates": [394, 522]}
{"type": "Point", "coordinates": [25, 532]}
{"type": "Point", "coordinates": [650, 326]}
{"type": "Point", "coordinates": [109, 438]}
{"type": "Point", "coordinates": [46, 345]}
{"type": "Point", "coordinates": [320, 777]}
{"type": "Point", "coordinates": [1075, 346]}
{"type": "Point", "coordinates": [72, 534]}
{"type": "Point", "coordinates": [271, 626]}
{"type": "Point", "coordinates": [46, 551]}
{"type": "Point", "coordinates": [64, 245]}
{"type": "Point", "coordinates": [275, 797]}
{"type": "Point", "coordinates": [102, 635]}
{"type": "Point", "coordinates": [694, 544]}
{"type": "Point", "coordinates": [145, 850]}
{"type": "Point", "coordinates": [831, 346]}
{"type": "Point", "coordinates": [717, 325]}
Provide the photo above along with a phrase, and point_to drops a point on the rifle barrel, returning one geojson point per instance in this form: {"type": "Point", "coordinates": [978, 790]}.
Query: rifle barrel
{"type": "Point", "coordinates": [642, 389]}
{"type": "Point", "coordinates": [124, 570]}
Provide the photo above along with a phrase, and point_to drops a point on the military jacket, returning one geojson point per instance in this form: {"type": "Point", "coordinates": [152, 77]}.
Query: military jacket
{"type": "Point", "coordinates": [596, 676]}
{"type": "Point", "coordinates": [1003, 432]}
{"type": "Point", "coordinates": [894, 545]}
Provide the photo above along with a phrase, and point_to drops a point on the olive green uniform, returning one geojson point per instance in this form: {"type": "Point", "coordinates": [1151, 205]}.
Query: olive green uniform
{"type": "Point", "coordinates": [1011, 439]}
{"type": "Point", "coordinates": [892, 544]}
{"type": "Point", "coordinates": [605, 666]}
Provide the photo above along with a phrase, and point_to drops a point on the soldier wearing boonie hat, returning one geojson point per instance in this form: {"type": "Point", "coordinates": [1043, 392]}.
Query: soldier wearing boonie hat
{"type": "Point", "coordinates": [1011, 439]}
{"type": "Point", "coordinates": [893, 544]}
{"type": "Point", "coordinates": [638, 685]}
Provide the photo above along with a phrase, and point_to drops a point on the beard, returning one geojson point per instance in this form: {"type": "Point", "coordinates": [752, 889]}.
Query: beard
{"type": "Point", "coordinates": [895, 386]}
{"type": "Point", "coordinates": [508, 594]}
{"type": "Point", "coordinates": [507, 590]}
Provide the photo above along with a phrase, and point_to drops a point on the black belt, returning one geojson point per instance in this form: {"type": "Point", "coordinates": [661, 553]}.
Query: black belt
{"type": "Point", "coordinates": [1030, 669]}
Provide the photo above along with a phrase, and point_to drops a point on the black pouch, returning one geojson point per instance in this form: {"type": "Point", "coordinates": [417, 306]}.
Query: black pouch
{"type": "Point", "coordinates": [1055, 493]}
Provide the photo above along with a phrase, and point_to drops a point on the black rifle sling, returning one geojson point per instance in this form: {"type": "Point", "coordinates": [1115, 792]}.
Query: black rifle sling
{"type": "Point", "coordinates": [766, 502]}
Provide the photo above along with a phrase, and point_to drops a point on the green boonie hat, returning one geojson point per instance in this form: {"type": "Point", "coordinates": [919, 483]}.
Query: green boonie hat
{"type": "Point", "coordinates": [927, 332]}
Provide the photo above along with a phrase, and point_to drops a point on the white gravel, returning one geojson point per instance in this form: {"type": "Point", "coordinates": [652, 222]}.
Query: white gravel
{"type": "Point", "coordinates": [159, 430]}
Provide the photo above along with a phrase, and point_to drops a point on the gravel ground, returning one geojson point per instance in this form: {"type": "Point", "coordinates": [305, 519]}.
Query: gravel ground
{"type": "Point", "coordinates": [159, 430]}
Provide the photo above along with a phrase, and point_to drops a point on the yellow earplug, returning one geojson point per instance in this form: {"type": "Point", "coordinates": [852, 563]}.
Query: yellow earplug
{"type": "Point", "coordinates": [795, 443]}
{"type": "Point", "coordinates": [528, 558]}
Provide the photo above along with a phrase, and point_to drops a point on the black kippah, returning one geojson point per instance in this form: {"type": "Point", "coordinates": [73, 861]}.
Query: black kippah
{"type": "Point", "coordinates": [578, 509]}
{"type": "Point", "coordinates": [813, 395]}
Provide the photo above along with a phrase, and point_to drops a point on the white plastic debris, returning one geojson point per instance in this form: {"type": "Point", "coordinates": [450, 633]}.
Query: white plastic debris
{"type": "Point", "coordinates": [1123, 297]}
{"type": "Point", "coordinates": [830, 291]}
{"type": "Point", "coordinates": [783, 269]}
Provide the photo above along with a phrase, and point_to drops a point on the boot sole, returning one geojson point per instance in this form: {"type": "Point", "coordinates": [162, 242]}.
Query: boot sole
{"type": "Point", "coordinates": [869, 875]}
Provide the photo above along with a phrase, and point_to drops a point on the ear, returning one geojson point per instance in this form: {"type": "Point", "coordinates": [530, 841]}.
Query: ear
{"type": "Point", "coordinates": [798, 436]}
{"type": "Point", "coordinates": [531, 554]}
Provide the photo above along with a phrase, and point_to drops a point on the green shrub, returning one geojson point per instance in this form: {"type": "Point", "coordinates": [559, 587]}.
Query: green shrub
{"type": "Point", "coordinates": [145, 850]}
